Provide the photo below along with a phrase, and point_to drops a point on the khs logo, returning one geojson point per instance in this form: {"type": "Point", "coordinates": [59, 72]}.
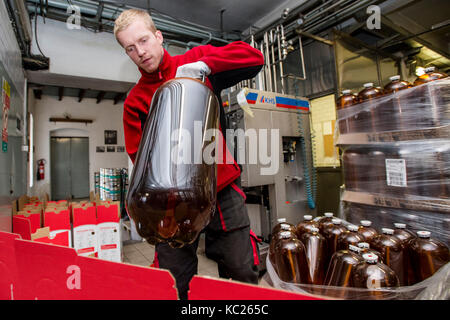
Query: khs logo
{"type": "Point", "coordinates": [267, 100]}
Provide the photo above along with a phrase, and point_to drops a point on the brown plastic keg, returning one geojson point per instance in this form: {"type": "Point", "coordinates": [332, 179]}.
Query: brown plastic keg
{"type": "Point", "coordinates": [427, 255]}
{"type": "Point", "coordinates": [366, 119]}
{"type": "Point", "coordinates": [430, 103]}
{"type": "Point", "coordinates": [346, 100]}
{"type": "Point", "coordinates": [355, 163]}
{"type": "Point", "coordinates": [331, 234]}
{"type": "Point", "coordinates": [274, 241]}
{"type": "Point", "coordinates": [392, 251]}
{"type": "Point", "coordinates": [282, 225]}
{"type": "Point", "coordinates": [316, 254]}
{"type": "Point", "coordinates": [376, 171]}
{"type": "Point", "coordinates": [306, 225]}
{"type": "Point", "coordinates": [405, 236]}
{"type": "Point", "coordinates": [389, 114]}
{"type": "Point", "coordinates": [367, 231]}
{"type": "Point", "coordinates": [291, 261]}
{"type": "Point", "coordinates": [365, 248]}
{"type": "Point", "coordinates": [349, 236]}
{"type": "Point", "coordinates": [340, 272]}
{"type": "Point", "coordinates": [325, 220]}
{"type": "Point", "coordinates": [372, 274]}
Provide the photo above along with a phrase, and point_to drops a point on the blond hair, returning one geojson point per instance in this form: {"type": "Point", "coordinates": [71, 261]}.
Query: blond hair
{"type": "Point", "coordinates": [130, 15]}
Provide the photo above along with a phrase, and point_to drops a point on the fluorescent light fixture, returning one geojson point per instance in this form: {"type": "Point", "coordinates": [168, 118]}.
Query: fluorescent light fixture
{"type": "Point", "coordinates": [31, 163]}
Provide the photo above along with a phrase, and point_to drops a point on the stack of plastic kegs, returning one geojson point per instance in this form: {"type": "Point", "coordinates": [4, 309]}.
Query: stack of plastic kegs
{"type": "Point", "coordinates": [331, 257]}
{"type": "Point", "coordinates": [395, 144]}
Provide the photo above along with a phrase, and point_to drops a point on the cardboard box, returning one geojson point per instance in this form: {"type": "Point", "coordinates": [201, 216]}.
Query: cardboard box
{"type": "Point", "coordinates": [109, 235]}
{"type": "Point", "coordinates": [43, 235]}
{"type": "Point", "coordinates": [35, 218]}
{"type": "Point", "coordinates": [85, 230]}
{"type": "Point", "coordinates": [58, 219]}
{"type": "Point", "coordinates": [22, 227]}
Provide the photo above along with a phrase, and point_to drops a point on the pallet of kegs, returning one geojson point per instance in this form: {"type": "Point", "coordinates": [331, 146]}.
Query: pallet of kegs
{"type": "Point", "coordinates": [331, 257]}
{"type": "Point", "coordinates": [399, 111]}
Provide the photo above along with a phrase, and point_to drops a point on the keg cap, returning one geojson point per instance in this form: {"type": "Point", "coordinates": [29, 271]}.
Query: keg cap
{"type": "Point", "coordinates": [400, 225]}
{"type": "Point", "coordinates": [353, 248]}
{"type": "Point", "coordinates": [363, 245]}
{"type": "Point", "coordinates": [347, 91]}
{"type": "Point", "coordinates": [328, 214]}
{"type": "Point", "coordinates": [352, 227]}
{"type": "Point", "coordinates": [395, 78]}
{"type": "Point", "coordinates": [424, 234]}
{"type": "Point", "coordinates": [281, 220]}
{"type": "Point", "coordinates": [429, 69]}
{"type": "Point", "coordinates": [307, 217]}
{"type": "Point", "coordinates": [285, 234]}
{"type": "Point", "coordinates": [314, 229]}
{"type": "Point", "coordinates": [336, 221]}
{"type": "Point", "coordinates": [368, 85]}
{"type": "Point", "coordinates": [366, 223]}
{"type": "Point", "coordinates": [387, 231]}
{"type": "Point", "coordinates": [370, 258]}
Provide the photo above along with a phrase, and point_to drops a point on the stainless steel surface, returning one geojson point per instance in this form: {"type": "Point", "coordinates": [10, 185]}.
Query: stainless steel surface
{"type": "Point", "coordinates": [69, 171]}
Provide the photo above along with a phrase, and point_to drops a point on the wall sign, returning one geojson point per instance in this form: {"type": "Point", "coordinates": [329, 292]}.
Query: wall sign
{"type": "Point", "coordinates": [110, 137]}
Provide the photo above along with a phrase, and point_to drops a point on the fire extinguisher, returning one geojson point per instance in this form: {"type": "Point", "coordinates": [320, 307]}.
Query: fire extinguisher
{"type": "Point", "coordinates": [41, 169]}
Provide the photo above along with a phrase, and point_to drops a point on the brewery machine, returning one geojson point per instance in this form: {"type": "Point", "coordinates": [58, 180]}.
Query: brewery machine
{"type": "Point", "coordinates": [274, 127]}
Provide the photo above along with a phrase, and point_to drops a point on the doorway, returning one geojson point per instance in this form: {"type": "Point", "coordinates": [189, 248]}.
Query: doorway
{"type": "Point", "coordinates": [69, 167]}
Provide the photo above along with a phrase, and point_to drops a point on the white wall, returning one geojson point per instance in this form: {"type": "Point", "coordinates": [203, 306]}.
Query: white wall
{"type": "Point", "coordinates": [105, 116]}
{"type": "Point", "coordinates": [83, 53]}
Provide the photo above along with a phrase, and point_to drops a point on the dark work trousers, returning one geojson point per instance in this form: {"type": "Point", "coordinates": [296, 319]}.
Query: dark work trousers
{"type": "Point", "coordinates": [228, 241]}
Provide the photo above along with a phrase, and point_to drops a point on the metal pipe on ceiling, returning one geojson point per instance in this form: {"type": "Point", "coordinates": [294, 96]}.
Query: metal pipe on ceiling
{"type": "Point", "coordinates": [163, 24]}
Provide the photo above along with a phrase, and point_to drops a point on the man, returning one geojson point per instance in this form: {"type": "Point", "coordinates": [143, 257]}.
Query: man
{"type": "Point", "coordinates": [228, 238]}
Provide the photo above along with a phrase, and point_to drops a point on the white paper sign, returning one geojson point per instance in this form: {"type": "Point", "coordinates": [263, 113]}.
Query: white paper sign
{"type": "Point", "coordinates": [85, 239]}
{"type": "Point", "coordinates": [396, 172]}
{"type": "Point", "coordinates": [109, 243]}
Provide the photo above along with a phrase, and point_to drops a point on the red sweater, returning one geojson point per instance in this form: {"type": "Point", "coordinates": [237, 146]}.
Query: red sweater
{"type": "Point", "coordinates": [229, 65]}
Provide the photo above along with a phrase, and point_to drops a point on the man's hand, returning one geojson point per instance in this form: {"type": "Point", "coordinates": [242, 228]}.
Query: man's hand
{"type": "Point", "coordinates": [195, 70]}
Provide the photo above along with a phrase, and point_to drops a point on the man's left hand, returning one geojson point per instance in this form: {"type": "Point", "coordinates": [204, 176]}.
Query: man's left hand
{"type": "Point", "coordinates": [196, 70]}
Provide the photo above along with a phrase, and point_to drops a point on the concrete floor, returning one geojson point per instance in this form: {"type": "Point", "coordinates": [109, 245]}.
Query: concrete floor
{"type": "Point", "coordinates": [142, 253]}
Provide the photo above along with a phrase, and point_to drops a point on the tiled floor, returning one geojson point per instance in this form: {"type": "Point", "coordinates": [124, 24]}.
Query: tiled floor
{"type": "Point", "coordinates": [141, 253]}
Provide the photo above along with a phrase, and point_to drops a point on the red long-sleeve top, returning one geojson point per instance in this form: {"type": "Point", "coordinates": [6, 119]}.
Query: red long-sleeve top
{"type": "Point", "coordinates": [229, 65]}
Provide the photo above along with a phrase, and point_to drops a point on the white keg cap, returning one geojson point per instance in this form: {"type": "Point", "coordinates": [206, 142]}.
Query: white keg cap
{"type": "Point", "coordinates": [395, 78]}
{"type": "Point", "coordinates": [387, 231]}
{"type": "Point", "coordinates": [336, 221]}
{"type": "Point", "coordinates": [366, 223]}
{"type": "Point", "coordinates": [281, 220]}
{"type": "Point", "coordinates": [424, 234]}
{"type": "Point", "coordinates": [368, 85]}
{"type": "Point", "coordinates": [352, 227]}
{"type": "Point", "coordinates": [429, 69]}
{"type": "Point", "coordinates": [363, 245]}
{"type": "Point", "coordinates": [400, 225]}
{"type": "Point", "coordinates": [347, 91]}
{"type": "Point", "coordinates": [307, 217]}
{"type": "Point", "coordinates": [285, 234]}
{"type": "Point", "coordinates": [328, 214]}
{"type": "Point", "coordinates": [314, 229]}
{"type": "Point", "coordinates": [371, 258]}
{"type": "Point", "coordinates": [353, 248]}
